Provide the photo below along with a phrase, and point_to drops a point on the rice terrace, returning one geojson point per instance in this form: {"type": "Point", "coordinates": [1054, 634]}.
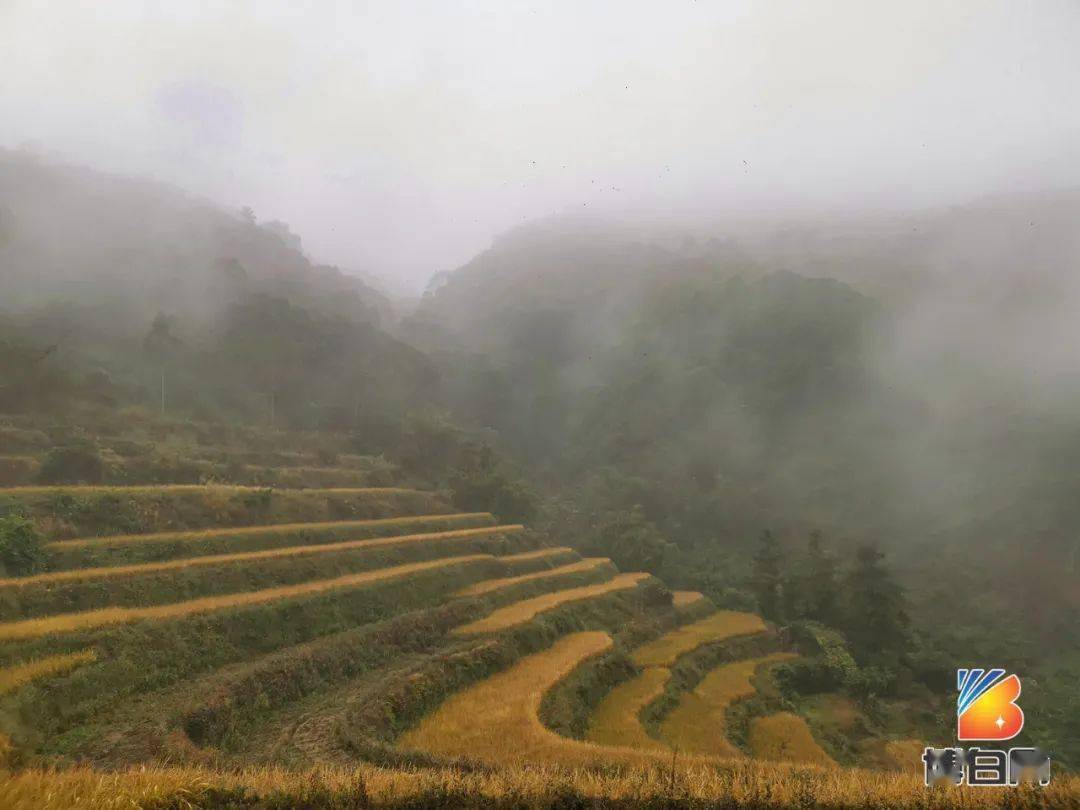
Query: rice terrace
{"type": "Point", "coordinates": [228, 646]}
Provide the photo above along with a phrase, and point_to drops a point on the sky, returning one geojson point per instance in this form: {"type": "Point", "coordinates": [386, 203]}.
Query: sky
{"type": "Point", "coordinates": [398, 138]}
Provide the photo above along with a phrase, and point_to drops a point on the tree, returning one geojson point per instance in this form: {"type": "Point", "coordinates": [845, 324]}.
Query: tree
{"type": "Point", "coordinates": [876, 621]}
{"type": "Point", "coordinates": [768, 574]}
{"type": "Point", "coordinates": [635, 544]}
{"type": "Point", "coordinates": [820, 585]}
{"type": "Point", "coordinates": [22, 550]}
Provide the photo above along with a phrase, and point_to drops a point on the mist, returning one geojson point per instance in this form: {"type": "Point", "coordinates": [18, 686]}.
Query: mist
{"type": "Point", "coordinates": [399, 139]}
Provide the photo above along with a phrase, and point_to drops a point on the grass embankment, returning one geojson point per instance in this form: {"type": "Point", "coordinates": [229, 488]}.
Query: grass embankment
{"type": "Point", "coordinates": [370, 707]}
{"type": "Point", "coordinates": [785, 737]}
{"type": "Point", "coordinates": [134, 549]}
{"type": "Point", "coordinates": [242, 709]}
{"type": "Point", "coordinates": [148, 656]}
{"type": "Point", "coordinates": [588, 564]}
{"type": "Point", "coordinates": [19, 675]}
{"type": "Point", "coordinates": [521, 612]}
{"type": "Point", "coordinates": [75, 511]}
{"type": "Point", "coordinates": [764, 786]}
{"type": "Point", "coordinates": [145, 584]}
{"type": "Point", "coordinates": [70, 622]}
{"type": "Point", "coordinates": [697, 725]}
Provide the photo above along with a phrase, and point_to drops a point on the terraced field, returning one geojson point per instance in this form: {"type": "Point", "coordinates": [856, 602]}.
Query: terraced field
{"type": "Point", "coordinates": [222, 628]}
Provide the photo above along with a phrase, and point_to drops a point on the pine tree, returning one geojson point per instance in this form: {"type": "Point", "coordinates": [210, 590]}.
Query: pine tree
{"type": "Point", "coordinates": [767, 575]}
{"type": "Point", "coordinates": [876, 621]}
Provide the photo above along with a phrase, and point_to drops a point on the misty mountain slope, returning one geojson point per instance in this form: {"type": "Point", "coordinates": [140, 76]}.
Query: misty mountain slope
{"type": "Point", "coordinates": [726, 396]}
{"type": "Point", "coordinates": [130, 281]}
{"type": "Point", "coordinates": [73, 234]}
{"type": "Point", "coordinates": [720, 395]}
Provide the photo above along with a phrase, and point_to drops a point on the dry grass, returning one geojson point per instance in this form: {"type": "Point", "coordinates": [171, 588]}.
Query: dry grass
{"type": "Point", "coordinates": [83, 574]}
{"type": "Point", "coordinates": [698, 723]}
{"type": "Point", "coordinates": [785, 737]}
{"type": "Point", "coordinates": [529, 788]}
{"type": "Point", "coordinates": [616, 720]}
{"type": "Point", "coordinates": [527, 609]}
{"type": "Point", "coordinates": [91, 619]}
{"type": "Point", "coordinates": [14, 677]}
{"type": "Point", "coordinates": [487, 586]}
{"type": "Point", "coordinates": [247, 531]}
{"type": "Point", "coordinates": [664, 651]}
{"type": "Point", "coordinates": [905, 755]}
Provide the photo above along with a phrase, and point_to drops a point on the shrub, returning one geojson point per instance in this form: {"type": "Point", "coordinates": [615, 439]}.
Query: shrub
{"type": "Point", "coordinates": [21, 547]}
{"type": "Point", "coordinates": [72, 465]}
{"type": "Point", "coordinates": [327, 456]}
{"type": "Point", "coordinates": [480, 484]}
{"type": "Point", "coordinates": [656, 594]}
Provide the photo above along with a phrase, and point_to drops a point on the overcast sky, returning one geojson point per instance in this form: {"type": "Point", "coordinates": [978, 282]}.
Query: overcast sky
{"type": "Point", "coordinates": [399, 137]}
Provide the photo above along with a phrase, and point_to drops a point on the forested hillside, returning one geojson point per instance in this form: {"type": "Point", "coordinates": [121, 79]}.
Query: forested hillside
{"type": "Point", "coordinates": [121, 282]}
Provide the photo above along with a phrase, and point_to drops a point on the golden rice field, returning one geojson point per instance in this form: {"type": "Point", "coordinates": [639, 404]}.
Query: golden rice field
{"type": "Point", "coordinates": [14, 677]}
{"type": "Point", "coordinates": [721, 625]}
{"type": "Point", "coordinates": [785, 737]}
{"type": "Point", "coordinates": [527, 609]}
{"type": "Point", "coordinates": [90, 619]}
{"type": "Point", "coordinates": [477, 723]}
{"type": "Point", "coordinates": [106, 572]}
{"type": "Point", "coordinates": [490, 585]}
{"type": "Point", "coordinates": [697, 725]}
{"type": "Point", "coordinates": [540, 553]}
{"type": "Point", "coordinates": [682, 599]}
{"type": "Point", "coordinates": [616, 720]}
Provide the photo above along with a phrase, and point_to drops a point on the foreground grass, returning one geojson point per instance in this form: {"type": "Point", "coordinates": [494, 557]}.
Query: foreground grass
{"type": "Point", "coordinates": [721, 625]}
{"type": "Point", "coordinates": [534, 788]}
{"type": "Point", "coordinates": [527, 609]}
{"type": "Point", "coordinates": [588, 564]}
{"type": "Point", "coordinates": [14, 677]}
{"type": "Point", "coordinates": [786, 737]}
{"type": "Point", "coordinates": [69, 622]}
{"type": "Point", "coordinates": [697, 724]}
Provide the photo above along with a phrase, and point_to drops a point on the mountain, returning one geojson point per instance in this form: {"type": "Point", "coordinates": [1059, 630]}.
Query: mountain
{"type": "Point", "coordinates": [130, 280]}
{"type": "Point", "coordinates": [732, 385]}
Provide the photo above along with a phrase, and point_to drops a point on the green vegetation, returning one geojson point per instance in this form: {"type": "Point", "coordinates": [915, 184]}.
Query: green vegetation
{"type": "Point", "coordinates": [22, 551]}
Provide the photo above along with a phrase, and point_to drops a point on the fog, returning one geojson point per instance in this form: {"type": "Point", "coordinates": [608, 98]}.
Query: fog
{"type": "Point", "coordinates": [399, 138]}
